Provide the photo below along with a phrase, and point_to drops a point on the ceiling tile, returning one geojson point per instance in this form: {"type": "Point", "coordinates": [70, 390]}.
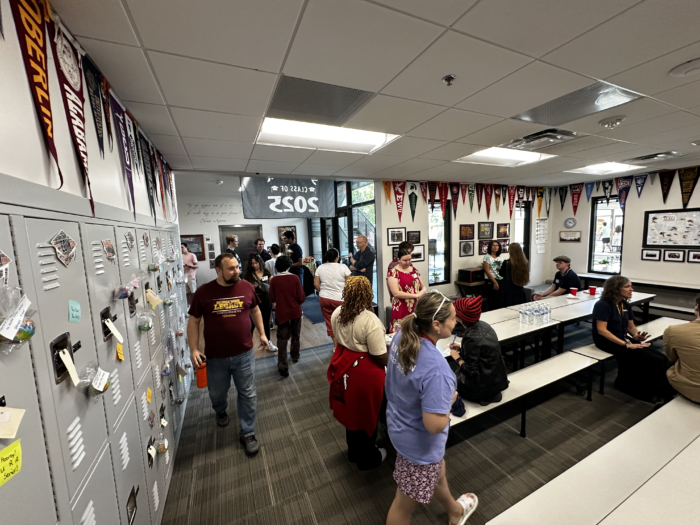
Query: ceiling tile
{"type": "Point", "coordinates": [527, 88]}
{"type": "Point", "coordinates": [239, 32]}
{"type": "Point", "coordinates": [197, 84]}
{"type": "Point", "coordinates": [636, 132]}
{"type": "Point", "coordinates": [643, 32]}
{"type": "Point", "coordinates": [573, 146]}
{"type": "Point", "coordinates": [392, 115]}
{"type": "Point", "coordinates": [628, 154]}
{"type": "Point", "coordinates": [635, 111]}
{"type": "Point", "coordinates": [444, 12]}
{"type": "Point", "coordinates": [281, 153]}
{"type": "Point", "coordinates": [688, 132]}
{"type": "Point", "coordinates": [686, 97]}
{"type": "Point", "coordinates": [409, 147]}
{"type": "Point", "coordinates": [316, 170]}
{"type": "Point", "coordinates": [213, 163]}
{"type": "Point", "coordinates": [269, 166]}
{"type": "Point", "coordinates": [370, 165]}
{"type": "Point", "coordinates": [179, 162]}
{"type": "Point", "coordinates": [333, 158]}
{"type": "Point", "coordinates": [355, 44]}
{"type": "Point", "coordinates": [152, 118]}
{"type": "Point", "coordinates": [502, 132]}
{"type": "Point", "coordinates": [452, 151]}
{"type": "Point", "coordinates": [476, 64]}
{"type": "Point", "coordinates": [126, 69]}
{"type": "Point", "coordinates": [453, 124]}
{"type": "Point", "coordinates": [168, 145]}
{"type": "Point", "coordinates": [219, 126]}
{"type": "Point", "coordinates": [537, 26]}
{"type": "Point", "coordinates": [218, 148]}
{"type": "Point", "coordinates": [409, 167]}
{"type": "Point", "coordinates": [681, 145]}
{"type": "Point", "coordinates": [610, 149]}
{"type": "Point", "coordinates": [105, 20]}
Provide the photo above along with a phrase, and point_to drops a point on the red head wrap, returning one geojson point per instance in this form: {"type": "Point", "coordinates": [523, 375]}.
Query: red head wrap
{"type": "Point", "coordinates": [468, 309]}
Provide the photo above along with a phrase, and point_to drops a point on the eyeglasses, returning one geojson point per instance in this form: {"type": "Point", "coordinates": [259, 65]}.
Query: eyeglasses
{"type": "Point", "coordinates": [444, 298]}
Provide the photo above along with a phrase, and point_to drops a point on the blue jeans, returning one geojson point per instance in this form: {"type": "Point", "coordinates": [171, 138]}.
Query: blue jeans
{"type": "Point", "coordinates": [242, 369]}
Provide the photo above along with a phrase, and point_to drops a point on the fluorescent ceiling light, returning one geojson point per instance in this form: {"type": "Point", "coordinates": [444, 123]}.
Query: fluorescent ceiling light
{"type": "Point", "coordinates": [605, 168]}
{"type": "Point", "coordinates": [294, 134]}
{"type": "Point", "coordinates": [506, 157]}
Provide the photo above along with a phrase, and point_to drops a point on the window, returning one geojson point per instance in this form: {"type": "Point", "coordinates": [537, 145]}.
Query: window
{"type": "Point", "coordinates": [606, 236]}
{"type": "Point", "coordinates": [316, 239]}
{"type": "Point", "coordinates": [522, 227]}
{"type": "Point", "coordinates": [439, 245]}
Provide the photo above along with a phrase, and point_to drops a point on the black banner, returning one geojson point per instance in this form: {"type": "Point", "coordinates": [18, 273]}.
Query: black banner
{"type": "Point", "coordinates": [272, 198]}
{"type": "Point", "coordinates": [105, 105]}
{"type": "Point", "coordinates": [93, 81]}
{"type": "Point", "coordinates": [148, 175]}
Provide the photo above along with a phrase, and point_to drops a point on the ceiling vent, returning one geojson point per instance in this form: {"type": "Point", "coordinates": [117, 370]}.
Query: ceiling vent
{"type": "Point", "coordinates": [316, 102]}
{"type": "Point", "coordinates": [578, 104]}
{"type": "Point", "coordinates": [542, 139]}
{"type": "Point", "coordinates": [655, 157]}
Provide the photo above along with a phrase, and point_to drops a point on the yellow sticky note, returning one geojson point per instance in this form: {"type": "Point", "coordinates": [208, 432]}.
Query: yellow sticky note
{"type": "Point", "coordinates": [180, 377]}
{"type": "Point", "coordinates": [148, 395]}
{"type": "Point", "coordinates": [10, 461]}
{"type": "Point", "coordinates": [120, 352]}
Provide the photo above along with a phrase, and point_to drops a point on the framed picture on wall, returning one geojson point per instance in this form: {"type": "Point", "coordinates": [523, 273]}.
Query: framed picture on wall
{"type": "Point", "coordinates": [395, 236]}
{"type": "Point", "coordinates": [570, 236]}
{"type": "Point", "coordinates": [413, 237]}
{"type": "Point", "coordinates": [466, 232]}
{"type": "Point", "coordinates": [195, 244]}
{"type": "Point", "coordinates": [484, 247]}
{"type": "Point", "coordinates": [394, 252]}
{"type": "Point", "coordinates": [504, 245]}
{"type": "Point", "coordinates": [672, 228]}
{"type": "Point", "coordinates": [652, 255]}
{"type": "Point", "coordinates": [466, 248]}
{"type": "Point", "coordinates": [418, 254]}
{"type": "Point", "coordinates": [694, 256]}
{"type": "Point", "coordinates": [503, 231]}
{"type": "Point", "coordinates": [674, 255]}
{"type": "Point", "coordinates": [485, 230]}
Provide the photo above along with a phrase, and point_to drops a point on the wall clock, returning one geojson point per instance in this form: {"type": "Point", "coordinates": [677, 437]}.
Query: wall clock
{"type": "Point", "coordinates": [570, 222]}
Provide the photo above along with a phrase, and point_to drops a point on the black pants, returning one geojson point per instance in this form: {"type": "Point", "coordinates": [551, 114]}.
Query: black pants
{"type": "Point", "coordinates": [285, 331]}
{"type": "Point", "coordinates": [493, 296]}
{"type": "Point", "coordinates": [362, 449]}
{"type": "Point", "coordinates": [266, 311]}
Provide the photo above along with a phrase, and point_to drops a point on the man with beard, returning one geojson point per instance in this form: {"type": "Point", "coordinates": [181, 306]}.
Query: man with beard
{"type": "Point", "coordinates": [227, 305]}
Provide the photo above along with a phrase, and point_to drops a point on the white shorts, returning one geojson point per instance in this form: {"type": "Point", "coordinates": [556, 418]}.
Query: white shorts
{"type": "Point", "coordinates": [191, 284]}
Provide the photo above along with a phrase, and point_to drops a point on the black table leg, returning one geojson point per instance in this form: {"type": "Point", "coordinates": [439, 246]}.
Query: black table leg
{"type": "Point", "coordinates": [589, 384]}
{"type": "Point", "coordinates": [546, 344]}
{"type": "Point", "coordinates": [601, 390]}
{"type": "Point", "coordinates": [522, 353]}
{"type": "Point", "coordinates": [560, 338]}
{"type": "Point", "coordinates": [523, 408]}
{"type": "Point", "coordinates": [645, 312]}
{"type": "Point", "coordinates": [537, 348]}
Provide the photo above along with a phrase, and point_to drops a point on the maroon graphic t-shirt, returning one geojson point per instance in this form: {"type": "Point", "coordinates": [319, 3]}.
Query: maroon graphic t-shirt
{"type": "Point", "coordinates": [226, 312]}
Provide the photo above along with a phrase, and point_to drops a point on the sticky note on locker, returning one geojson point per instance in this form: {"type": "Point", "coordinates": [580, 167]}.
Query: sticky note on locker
{"type": "Point", "coordinates": [149, 393]}
{"type": "Point", "coordinates": [120, 352]}
{"type": "Point", "coordinates": [74, 313]}
{"type": "Point", "coordinates": [10, 461]}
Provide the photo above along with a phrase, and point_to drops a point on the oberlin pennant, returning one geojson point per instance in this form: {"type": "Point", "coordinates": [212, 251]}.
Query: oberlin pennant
{"type": "Point", "coordinates": [521, 198]}
{"type": "Point", "coordinates": [639, 181]}
{"type": "Point", "coordinates": [444, 191]}
{"type": "Point", "coordinates": [540, 196]}
{"type": "Point", "coordinates": [512, 190]}
{"type": "Point", "coordinates": [589, 191]}
{"type": "Point", "coordinates": [652, 178]}
{"type": "Point", "coordinates": [497, 194]}
{"type": "Point", "coordinates": [562, 195]}
{"type": "Point", "coordinates": [148, 175]}
{"type": "Point", "coordinates": [105, 107]}
{"type": "Point", "coordinates": [464, 186]}
{"type": "Point", "coordinates": [454, 195]}
{"type": "Point", "coordinates": [124, 148]}
{"type": "Point", "coordinates": [576, 190]}
{"type": "Point", "coordinates": [607, 190]}
{"type": "Point", "coordinates": [30, 17]}
{"type": "Point", "coordinates": [666, 178]}
{"type": "Point", "coordinates": [624, 185]}
{"type": "Point", "coordinates": [387, 189]}
{"type": "Point", "coordinates": [412, 199]}
{"type": "Point", "coordinates": [432, 188]}
{"type": "Point", "coordinates": [399, 194]}
{"type": "Point", "coordinates": [688, 178]}
{"type": "Point", "coordinates": [472, 190]}
{"type": "Point", "coordinates": [488, 191]}
{"type": "Point", "coordinates": [549, 199]}
{"type": "Point", "coordinates": [504, 192]}
{"type": "Point", "coordinates": [424, 191]}
{"type": "Point", "coordinates": [93, 81]}
{"type": "Point", "coordinates": [479, 195]}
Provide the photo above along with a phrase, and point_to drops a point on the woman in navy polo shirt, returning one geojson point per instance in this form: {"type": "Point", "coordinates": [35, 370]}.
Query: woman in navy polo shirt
{"type": "Point", "coordinates": [641, 370]}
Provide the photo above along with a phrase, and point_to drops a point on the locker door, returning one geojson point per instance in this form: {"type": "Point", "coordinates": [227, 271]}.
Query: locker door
{"type": "Point", "coordinates": [100, 252]}
{"type": "Point", "coordinates": [81, 418]}
{"type": "Point", "coordinates": [129, 474]}
{"type": "Point", "coordinates": [97, 502]}
{"type": "Point", "coordinates": [143, 241]}
{"type": "Point", "coordinates": [28, 496]}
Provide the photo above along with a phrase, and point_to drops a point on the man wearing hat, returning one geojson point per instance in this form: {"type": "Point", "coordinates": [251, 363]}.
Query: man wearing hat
{"type": "Point", "coordinates": [564, 280]}
{"type": "Point", "coordinates": [482, 375]}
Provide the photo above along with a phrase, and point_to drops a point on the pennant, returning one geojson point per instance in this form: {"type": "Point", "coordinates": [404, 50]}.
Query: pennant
{"type": "Point", "coordinates": [471, 198]}
{"type": "Point", "coordinates": [412, 199]}
{"type": "Point", "coordinates": [688, 179]}
{"type": "Point", "coordinates": [531, 192]}
{"type": "Point", "coordinates": [139, 151]}
{"type": "Point", "coordinates": [639, 181]}
{"type": "Point", "coordinates": [511, 199]}
{"type": "Point", "coordinates": [597, 185]}
{"type": "Point", "coordinates": [399, 194]}
{"type": "Point", "coordinates": [70, 82]}
{"type": "Point", "coordinates": [607, 190]}
{"type": "Point", "coordinates": [548, 200]}
{"type": "Point", "coordinates": [617, 186]}
{"type": "Point", "coordinates": [105, 106]}
{"type": "Point", "coordinates": [464, 186]}
{"type": "Point", "coordinates": [2, 33]}
{"type": "Point", "coordinates": [479, 195]}
{"type": "Point", "coordinates": [432, 188]}
{"type": "Point", "coordinates": [562, 195]}
{"type": "Point", "coordinates": [521, 197]}
{"type": "Point", "coordinates": [93, 81]}
{"type": "Point", "coordinates": [444, 191]}
{"type": "Point", "coordinates": [123, 142]}
{"type": "Point", "coordinates": [652, 178]}
{"type": "Point", "coordinates": [164, 185]}
{"type": "Point", "coordinates": [387, 189]}
{"type": "Point", "coordinates": [154, 172]}
{"type": "Point", "coordinates": [148, 175]}
{"type": "Point", "coordinates": [132, 144]}
{"type": "Point", "coordinates": [30, 21]}
{"type": "Point", "coordinates": [504, 192]}
{"type": "Point", "coordinates": [589, 191]}
{"type": "Point", "coordinates": [497, 194]}
{"type": "Point", "coordinates": [454, 195]}
{"type": "Point", "coordinates": [159, 163]}
{"type": "Point", "coordinates": [424, 191]}
{"type": "Point", "coordinates": [556, 190]}
{"type": "Point", "coordinates": [488, 190]}
{"type": "Point", "coordinates": [624, 185]}
{"type": "Point", "coordinates": [173, 198]}
{"type": "Point", "coordinates": [576, 190]}
{"type": "Point", "coordinates": [666, 182]}
{"type": "Point", "coordinates": [540, 196]}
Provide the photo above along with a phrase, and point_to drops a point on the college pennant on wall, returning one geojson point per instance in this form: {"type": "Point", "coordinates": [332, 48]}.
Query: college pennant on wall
{"type": "Point", "coordinates": [432, 188]}
{"type": "Point", "coordinates": [548, 200]}
{"type": "Point", "coordinates": [424, 191]}
{"type": "Point", "coordinates": [597, 185]}
{"type": "Point", "coordinates": [148, 175]}
{"type": "Point", "coordinates": [130, 132]}
{"type": "Point", "coordinates": [497, 194]}
{"type": "Point", "coordinates": [488, 191]}
{"type": "Point", "coordinates": [2, 33]}
{"type": "Point", "coordinates": [652, 178]}
{"type": "Point", "coordinates": [472, 190]}
{"type": "Point", "coordinates": [639, 181]}
{"type": "Point", "coordinates": [607, 190]}
{"type": "Point", "coordinates": [444, 190]}
{"type": "Point", "coordinates": [521, 197]}
{"type": "Point", "coordinates": [688, 178]}
{"type": "Point", "coordinates": [512, 190]}
{"type": "Point", "coordinates": [139, 151]}
{"type": "Point", "coordinates": [454, 194]}
{"type": "Point", "coordinates": [576, 190]}
{"type": "Point", "coordinates": [666, 178]}
{"type": "Point", "coordinates": [123, 143]}
{"type": "Point", "coordinates": [30, 17]}
{"type": "Point", "coordinates": [479, 195]}
{"type": "Point", "coordinates": [387, 189]}
{"type": "Point", "coordinates": [105, 106]}
{"type": "Point", "coordinates": [93, 81]}
{"type": "Point", "coordinates": [154, 168]}
{"type": "Point", "coordinates": [504, 192]}
{"type": "Point", "coordinates": [556, 190]}
{"type": "Point", "coordinates": [624, 185]}
{"type": "Point", "coordinates": [562, 195]}
{"type": "Point", "coordinates": [164, 185]}
{"type": "Point", "coordinates": [464, 187]}
{"type": "Point", "coordinates": [412, 199]}
{"type": "Point", "coordinates": [589, 191]}
{"type": "Point", "coordinates": [540, 196]}
{"type": "Point", "coordinates": [399, 194]}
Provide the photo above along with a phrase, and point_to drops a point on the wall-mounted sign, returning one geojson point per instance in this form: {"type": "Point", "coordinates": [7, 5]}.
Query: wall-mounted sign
{"type": "Point", "coordinates": [273, 198]}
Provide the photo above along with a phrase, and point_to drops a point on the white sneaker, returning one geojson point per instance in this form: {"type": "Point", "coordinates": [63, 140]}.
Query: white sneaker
{"type": "Point", "coordinates": [383, 453]}
{"type": "Point", "coordinates": [271, 347]}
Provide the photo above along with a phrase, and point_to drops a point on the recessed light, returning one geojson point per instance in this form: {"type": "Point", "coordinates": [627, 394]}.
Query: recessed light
{"type": "Point", "coordinates": [691, 67]}
{"type": "Point", "coordinates": [506, 157]}
{"type": "Point", "coordinates": [604, 168]}
{"type": "Point", "coordinates": [612, 122]}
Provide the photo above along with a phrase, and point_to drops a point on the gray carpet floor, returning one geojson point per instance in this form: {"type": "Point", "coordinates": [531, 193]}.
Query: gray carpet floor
{"type": "Point", "coordinates": [302, 476]}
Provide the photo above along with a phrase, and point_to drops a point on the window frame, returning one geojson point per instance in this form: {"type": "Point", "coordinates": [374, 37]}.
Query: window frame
{"type": "Point", "coordinates": [592, 234]}
{"type": "Point", "coordinates": [447, 234]}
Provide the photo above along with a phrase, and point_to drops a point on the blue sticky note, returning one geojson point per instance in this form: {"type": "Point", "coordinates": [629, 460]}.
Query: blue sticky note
{"type": "Point", "coordinates": [73, 312]}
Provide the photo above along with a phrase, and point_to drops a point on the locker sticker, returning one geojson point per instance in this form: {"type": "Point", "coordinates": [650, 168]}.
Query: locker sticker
{"type": "Point", "coordinates": [110, 252]}
{"type": "Point", "coordinates": [149, 393]}
{"type": "Point", "coordinates": [120, 352]}
{"type": "Point", "coordinates": [10, 461]}
{"type": "Point", "coordinates": [130, 240]}
{"type": "Point", "coordinates": [68, 363]}
{"type": "Point", "coordinates": [10, 418]}
{"type": "Point", "coordinates": [65, 247]}
{"type": "Point", "coordinates": [9, 328]}
{"type": "Point", "coordinates": [109, 324]}
{"type": "Point", "coordinates": [73, 311]}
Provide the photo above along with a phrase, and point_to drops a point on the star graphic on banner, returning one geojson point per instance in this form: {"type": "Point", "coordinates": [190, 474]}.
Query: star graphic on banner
{"type": "Point", "coordinates": [312, 189]}
{"type": "Point", "coordinates": [274, 188]}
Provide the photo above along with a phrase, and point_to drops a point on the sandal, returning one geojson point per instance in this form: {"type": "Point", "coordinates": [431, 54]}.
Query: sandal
{"type": "Point", "coordinates": [469, 503]}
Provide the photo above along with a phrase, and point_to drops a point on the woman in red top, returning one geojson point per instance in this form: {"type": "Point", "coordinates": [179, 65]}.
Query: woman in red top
{"type": "Point", "coordinates": [287, 295]}
{"type": "Point", "coordinates": [406, 288]}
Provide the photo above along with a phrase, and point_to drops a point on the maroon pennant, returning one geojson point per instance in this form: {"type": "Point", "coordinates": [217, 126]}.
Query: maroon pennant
{"type": "Point", "coordinates": [479, 195]}
{"type": "Point", "coordinates": [576, 190]}
{"type": "Point", "coordinates": [488, 191]}
{"type": "Point", "coordinates": [688, 179]}
{"type": "Point", "coordinates": [432, 186]}
{"type": "Point", "coordinates": [399, 194]}
{"type": "Point", "coordinates": [424, 191]}
{"type": "Point", "coordinates": [512, 190]}
{"type": "Point", "coordinates": [454, 195]}
{"type": "Point", "coordinates": [666, 178]}
{"type": "Point", "coordinates": [464, 186]}
{"type": "Point", "coordinates": [444, 191]}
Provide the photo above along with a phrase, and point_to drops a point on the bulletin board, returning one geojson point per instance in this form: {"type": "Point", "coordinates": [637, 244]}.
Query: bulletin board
{"type": "Point", "coordinates": [678, 228]}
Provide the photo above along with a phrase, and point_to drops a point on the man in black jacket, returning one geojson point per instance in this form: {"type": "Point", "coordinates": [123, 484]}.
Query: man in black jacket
{"type": "Point", "coordinates": [362, 262]}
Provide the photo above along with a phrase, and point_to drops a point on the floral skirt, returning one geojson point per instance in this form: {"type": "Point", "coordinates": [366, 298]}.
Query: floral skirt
{"type": "Point", "coordinates": [416, 481]}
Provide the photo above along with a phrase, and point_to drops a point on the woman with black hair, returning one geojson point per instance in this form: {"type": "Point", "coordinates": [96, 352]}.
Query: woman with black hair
{"type": "Point", "coordinates": [329, 282]}
{"type": "Point", "coordinates": [257, 275]}
{"type": "Point", "coordinates": [492, 267]}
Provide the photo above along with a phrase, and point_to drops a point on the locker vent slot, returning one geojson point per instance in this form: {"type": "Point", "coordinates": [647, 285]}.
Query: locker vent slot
{"type": "Point", "coordinates": [144, 406]}
{"type": "Point", "coordinates": [137, 355]}
{"type": "Point", "coordinates": [167, 457]}
{"type": "Point", "coordinates": [156, 371]}
{"type": "Point", "coordinates": [115, 387]}
{"type": "Point", "coordinates": [152, 336]}
{"type": "Point", "coordinates": [162, 320]}
{"type": "Point", "coordinates": [88, 517]}
{"type": "Point", "coordinates": [156, 498]}
{"type": "Point", "coordinates": [50, 282]}
{"type": "Point", "coordinates": [124, 451]}
{"type": "Point", "coordinates": [75, 443]}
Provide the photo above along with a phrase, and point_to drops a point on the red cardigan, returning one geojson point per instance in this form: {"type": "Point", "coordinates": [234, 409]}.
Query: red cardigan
{"type": "Point", "coordinates": [288, 295]}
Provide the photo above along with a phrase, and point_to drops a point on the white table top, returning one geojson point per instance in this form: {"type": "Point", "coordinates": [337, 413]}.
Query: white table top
{"type": "Point", "coordinates": [592, 351]}
{"type": "Point", "coordinates": [657, 327]}
{"type": "Point", "coordinates": [513, 328]}
{"type": "Point", "coordinates": [590, 490]}
{"type": "Point", "coordinates": [575, 311]}
{"type": "Point", "coordinates": [562, 300]}
{"type": "Point", "coordinates": [500, 315]}
{"type": "Point", "coordinates": [639, 297]}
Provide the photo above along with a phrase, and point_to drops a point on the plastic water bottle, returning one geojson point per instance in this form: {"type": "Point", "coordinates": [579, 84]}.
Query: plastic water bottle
{"type": "Point", "coordinates": [523, 315]}
{"type": "Point", "coordinates": [548, 313]}
{"type": "Point", "coordinates": [528, 314]}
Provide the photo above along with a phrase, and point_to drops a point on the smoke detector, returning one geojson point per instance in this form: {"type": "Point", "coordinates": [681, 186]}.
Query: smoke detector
{"type": "Point", "coordinates": [686, 69]}
{"type": "Point", "coordinates": [541, 139]}
{"type": "Point", "coordinates": [448, 79]}
{"type": "Point", "coordinates": [612, 122]}
{"type": "Point", "coordinates": [655, 157]}
{"type": "Point", "coordinates": [218, 182]}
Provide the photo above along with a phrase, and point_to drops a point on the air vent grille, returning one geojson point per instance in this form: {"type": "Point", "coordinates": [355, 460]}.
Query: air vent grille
{"type": "Point", "coordinates": [144, 406]}
{"type": "Point", "coordinates": [156, 372]}
{"type": "Point", "coordinates": [137, 355]}
{"type": "Point", "coordinates": [655, 157]}
{"type": "Point", "coordinates": [156, 497]}
{"type": "Point", "coordinates": [115, 387]}
{"type": "Point", "coordinates": [88, 517]}
{"type": "Point", "coordinates": [124, 451]}
{"type": "Point", "coordinates": [75, 443]}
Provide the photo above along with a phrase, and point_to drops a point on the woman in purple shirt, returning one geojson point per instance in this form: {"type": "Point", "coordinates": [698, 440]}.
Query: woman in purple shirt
{"type": "Point", "coordinates": [420, 389]}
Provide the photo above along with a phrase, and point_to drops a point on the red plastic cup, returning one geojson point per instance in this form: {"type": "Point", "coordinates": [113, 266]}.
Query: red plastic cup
{"type": "Point", "coordinates": [573, 291]}
{"type": "Point", "coordinates": [202, 376]}
{"type": "Point", "coordinates": [591, 290]}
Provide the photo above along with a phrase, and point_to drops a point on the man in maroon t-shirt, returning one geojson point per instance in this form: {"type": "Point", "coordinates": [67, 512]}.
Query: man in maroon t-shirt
{"type": "Point", "coordinates": [227, 305]}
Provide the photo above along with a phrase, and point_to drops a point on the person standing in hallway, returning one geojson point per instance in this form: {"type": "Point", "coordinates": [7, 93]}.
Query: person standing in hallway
{"type": "Point", "coordinates": [405, 287]}
{"type": "Point", "coordinates": [287, 296]}
{"type": "Point", "coordinates": [227, 306]}
{"type": "Point", "coordinates": [329, 282]}
{"type": "Point", "coordinates": [296, 255]}
{"type": "Point", "coordinates": [259, 249]}
{"type": "Point", "coordinates": [605, 236]}
{"type": "Point", "coordinates": [189, 261]}
{"type": "Point", "coordinates": [362, 262]}
{"type": "Point", "coordinates": [270, 265]}
{"type": "Point", "coordinates": [257, 275]}
{"type": "Point", "coordinates": [232, 242]}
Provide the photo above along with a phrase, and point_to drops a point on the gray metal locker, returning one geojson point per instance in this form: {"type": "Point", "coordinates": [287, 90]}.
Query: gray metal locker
{"type": "Point", "coordinates": [129, 473]}
{"type": "Point", "coordinates": [28, 496]}
{"type": "Point", "coordinates": [64, 314]}
{"type": "Point", "coordinates": [96, 503]}
{"type": "Point", "coordinates": [100, 252]}
{"type": "Point", "coordinates": [145, 250]}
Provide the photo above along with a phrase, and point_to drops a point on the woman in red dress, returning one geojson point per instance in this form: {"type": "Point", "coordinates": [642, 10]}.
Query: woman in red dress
{"type": "Point", "coordinates": [406, 287]}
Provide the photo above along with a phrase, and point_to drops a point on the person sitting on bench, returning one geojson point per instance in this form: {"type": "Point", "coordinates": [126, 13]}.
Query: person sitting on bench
{"type": "Point", "coordinates": [482, 372]}
{"type": "Point", "coordinates": [682, 347]}
{"type": "Point", "coordinates": [564, 279]}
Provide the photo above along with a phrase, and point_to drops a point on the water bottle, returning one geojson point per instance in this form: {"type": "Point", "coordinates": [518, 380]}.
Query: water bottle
{"type": "Point", "coordinates": [528, 314]}
{"type": "Point", "coordinates": [548, 313]}
{"type": "Point", "coordinates": [523, 317]}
